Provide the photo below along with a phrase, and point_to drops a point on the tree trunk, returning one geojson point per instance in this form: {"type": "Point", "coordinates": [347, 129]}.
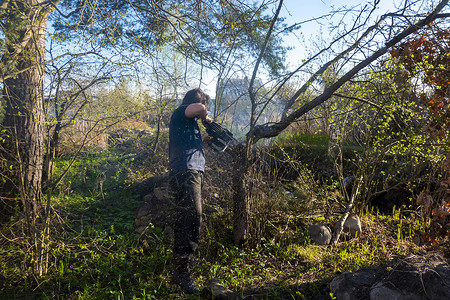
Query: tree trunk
{"type": "Point", "coordinates": [23, 94]}
{"type": "Point", "coordinates": [240, 194]}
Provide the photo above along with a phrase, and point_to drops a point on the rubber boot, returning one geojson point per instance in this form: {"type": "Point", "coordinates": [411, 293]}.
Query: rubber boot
{"type": "Point", "coordinates": [182, 275]}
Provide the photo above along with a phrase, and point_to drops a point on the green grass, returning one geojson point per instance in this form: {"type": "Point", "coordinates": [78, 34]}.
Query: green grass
{"type": "Point", "coordinates": [94, 254]}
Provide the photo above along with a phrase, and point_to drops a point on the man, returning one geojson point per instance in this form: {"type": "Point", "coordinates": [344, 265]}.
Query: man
{"type": "Point", "coordinates": [187, 164]}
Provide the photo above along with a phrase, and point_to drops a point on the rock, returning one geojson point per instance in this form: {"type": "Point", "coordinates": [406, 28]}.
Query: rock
{"type": "Point", "coordinates": [355, 285]}
{"type": "Point", "coordinates": [149, 185]}
{"type": "Point", "coordinates": [161, 192]}
{"type": "Point", "coordinates": [381, 292]}
{"type": "Point", "coordinates": [416, 277]}
{"type": "Point", "coordinates": [156, 210]}
{"type": "Point", "coordinates": [320, 234]}
{"type": "Point", "coordinates": [352, 225]}
{"type": "Point", "coordinates": [424, 276]}
{"type": "Point", "coordinates": [348, 182]}
{"type": "Point", "coordinates": [214, 290]}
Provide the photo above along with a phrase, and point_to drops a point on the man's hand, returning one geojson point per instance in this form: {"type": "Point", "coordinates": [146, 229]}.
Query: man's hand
{"type": "Point", "coordinates": [197, 110]}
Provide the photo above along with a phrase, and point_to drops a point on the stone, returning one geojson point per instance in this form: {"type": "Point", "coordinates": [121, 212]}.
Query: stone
{"type": "Point", "coordinates": [149, 185]}
{"type": "Point", "coordinates": [352, 225]}
{"type": "Point", "coordinates": [161, 192]}
{"type": "Point", "coordinates": [381, 292]}
{"type": "Point", "coordinates": [355, 285]}
{"type": "Point", "coordinates": [348, 182]}
{"type": "Point", "coordinates": [417, 277]}
{"type": "Point", "coordinates": [424, 276]}
{"type": "Point", "coordinates": [214, 290]}
{"type": "Point", "coordinates": [156, 210]}
{"type": "Point", "coordinates": [320, 234]}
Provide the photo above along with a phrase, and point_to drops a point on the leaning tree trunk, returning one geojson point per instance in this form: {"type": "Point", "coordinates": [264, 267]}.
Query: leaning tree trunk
{"type": "Point", "coordinates": [23, 96]}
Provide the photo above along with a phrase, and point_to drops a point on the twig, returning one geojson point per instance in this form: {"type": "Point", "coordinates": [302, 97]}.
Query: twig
{"type": "Point", "coordinates": [340, 223]}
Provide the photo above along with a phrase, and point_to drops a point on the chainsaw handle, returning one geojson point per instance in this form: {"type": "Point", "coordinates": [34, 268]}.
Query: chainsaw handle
{"type": "Point", "coordinates": [206, 123]}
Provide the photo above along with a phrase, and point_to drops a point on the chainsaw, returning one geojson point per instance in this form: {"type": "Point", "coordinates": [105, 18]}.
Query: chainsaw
{"type": "Point", "coordinates": [219, 138]}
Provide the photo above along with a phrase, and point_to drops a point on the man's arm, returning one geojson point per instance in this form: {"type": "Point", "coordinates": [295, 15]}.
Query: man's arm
{"type": "Point", "coordinates": [197, 110]}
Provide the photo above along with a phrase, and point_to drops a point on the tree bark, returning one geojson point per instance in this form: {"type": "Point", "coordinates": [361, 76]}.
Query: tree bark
{"type": "Point", "coordinates": [240, 194]}
{"type": "Point", "coordinates": [23, 94]}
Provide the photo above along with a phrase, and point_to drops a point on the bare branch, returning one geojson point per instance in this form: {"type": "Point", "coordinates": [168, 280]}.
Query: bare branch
{"type": "Point", "coordinates": [357, 99]}
{"type": "Point", "coordinates": [54, 5]}
{"type": "Point", "coordinates": [271, 130]}
{"type": "Point", "coordinates": [4, 4]}
{"type": "Point", "coordinates": [258, 62]}
{"type": "Point", "coordinates": [334, 60]}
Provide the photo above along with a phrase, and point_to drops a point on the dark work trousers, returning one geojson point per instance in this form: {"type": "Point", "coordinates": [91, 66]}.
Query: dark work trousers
{"type": "Point", "coordinates": [186, 189]}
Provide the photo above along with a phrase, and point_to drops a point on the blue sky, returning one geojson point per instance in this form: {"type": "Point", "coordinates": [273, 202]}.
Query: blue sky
{"type": "Point", "coordinates": [302, 10]}
{"type": "Point", "coordinates": [295, 11]}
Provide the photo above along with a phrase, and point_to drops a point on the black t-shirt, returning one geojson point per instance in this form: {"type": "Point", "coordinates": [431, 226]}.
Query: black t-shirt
{"type": "Point", "coordinates": [185, 143]}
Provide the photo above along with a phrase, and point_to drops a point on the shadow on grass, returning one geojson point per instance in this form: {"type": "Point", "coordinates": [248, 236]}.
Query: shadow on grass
{"type": "Point", "coordinates": [317, 290]}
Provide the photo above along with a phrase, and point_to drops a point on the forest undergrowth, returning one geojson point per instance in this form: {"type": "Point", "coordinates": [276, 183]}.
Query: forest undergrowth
{"type": "Point", "coordinates": [93, 252]}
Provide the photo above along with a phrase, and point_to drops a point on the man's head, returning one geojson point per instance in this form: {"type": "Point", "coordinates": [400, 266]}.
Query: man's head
{"type": "Point", "coordinates": [195, 96]}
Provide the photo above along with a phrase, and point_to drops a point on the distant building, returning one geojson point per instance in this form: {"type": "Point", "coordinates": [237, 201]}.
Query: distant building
{"type": "Point", "coordinates": [233, 105]}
